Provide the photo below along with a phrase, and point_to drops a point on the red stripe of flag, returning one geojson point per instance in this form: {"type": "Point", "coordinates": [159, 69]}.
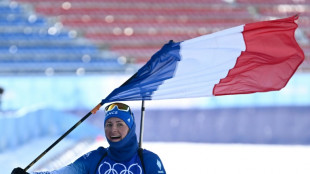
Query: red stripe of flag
{"type": "Point", "coordinates": [271, 57]}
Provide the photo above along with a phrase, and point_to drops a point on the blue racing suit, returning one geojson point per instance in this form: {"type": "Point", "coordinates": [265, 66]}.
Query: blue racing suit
{"type": "Point", "coordinates": [91, 163]}
{"type": "Point", "coordinates": [119, 158]}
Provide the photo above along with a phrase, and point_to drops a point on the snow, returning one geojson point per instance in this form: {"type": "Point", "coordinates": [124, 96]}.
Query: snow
{"type": "Point", "coordinates": [182, 157]}
{"type": "Point", "coordinates": [233, 158]}
{"type": "Point", "coordinates": [25, 154]}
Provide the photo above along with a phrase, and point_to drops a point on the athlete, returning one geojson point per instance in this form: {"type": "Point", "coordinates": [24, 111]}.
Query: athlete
{"type": "Point", "coordinates": [123, 156]}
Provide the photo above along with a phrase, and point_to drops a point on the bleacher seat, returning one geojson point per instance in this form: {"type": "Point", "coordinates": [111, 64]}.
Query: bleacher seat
{"type": "Point", "coordinates": [136, 29]}
{"type": "Point", "coordinates": [31, 43]}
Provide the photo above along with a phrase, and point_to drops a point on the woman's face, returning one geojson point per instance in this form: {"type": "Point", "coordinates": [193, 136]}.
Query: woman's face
{"type": "Point", "coordinates": [115, 129]}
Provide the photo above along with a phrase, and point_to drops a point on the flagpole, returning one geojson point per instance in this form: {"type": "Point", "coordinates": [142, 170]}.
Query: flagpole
{"type": "Point", "coordinates": [141, 124]}
{"type": "Point", "coordinates": [93, 111]}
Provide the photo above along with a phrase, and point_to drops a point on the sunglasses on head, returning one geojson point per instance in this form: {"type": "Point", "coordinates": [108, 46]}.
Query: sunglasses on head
{"type": "Point", "coordinates": [120, 106]}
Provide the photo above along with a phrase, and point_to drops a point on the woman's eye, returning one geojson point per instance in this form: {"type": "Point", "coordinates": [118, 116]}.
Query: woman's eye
{"type": "Point", "coordinates": [119, 124]}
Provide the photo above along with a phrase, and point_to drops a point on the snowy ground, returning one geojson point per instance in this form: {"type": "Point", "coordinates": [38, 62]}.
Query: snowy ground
{"type": "Point", "coordinates": [233, 159]}
{"type": "Point", "coordinates": [181, 158]}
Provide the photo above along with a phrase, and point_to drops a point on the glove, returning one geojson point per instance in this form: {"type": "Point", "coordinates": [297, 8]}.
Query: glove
{"type": "Point", "coordinates": [19, 170]}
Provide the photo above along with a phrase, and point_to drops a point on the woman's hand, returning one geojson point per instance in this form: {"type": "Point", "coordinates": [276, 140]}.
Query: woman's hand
{"type": "Point", "coordinates": [19, 170]}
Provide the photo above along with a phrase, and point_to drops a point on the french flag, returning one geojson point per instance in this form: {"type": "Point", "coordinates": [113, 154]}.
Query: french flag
{"type": "Point", "coordinates": [255, 57]}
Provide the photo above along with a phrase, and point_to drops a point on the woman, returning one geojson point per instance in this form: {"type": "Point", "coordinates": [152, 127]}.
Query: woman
{"type": "Point", "coordinates": [123, 156]}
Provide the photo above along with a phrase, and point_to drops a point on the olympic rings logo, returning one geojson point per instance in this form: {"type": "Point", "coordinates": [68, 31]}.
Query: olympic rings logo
{"type": "Point", "coordinates": [124, 169]}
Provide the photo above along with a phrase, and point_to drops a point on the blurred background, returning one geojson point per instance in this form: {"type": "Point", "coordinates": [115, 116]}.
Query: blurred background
{"type": "Point", "coordinates": [59, 58]}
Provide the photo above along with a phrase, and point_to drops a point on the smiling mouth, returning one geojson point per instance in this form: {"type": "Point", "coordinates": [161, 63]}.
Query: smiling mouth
{"type": "Point", "coordinates": [115, 137]}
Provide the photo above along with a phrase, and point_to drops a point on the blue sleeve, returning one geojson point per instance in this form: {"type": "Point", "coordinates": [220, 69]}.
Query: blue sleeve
{"type": "Point", "coordinates": [78, 167]}
{"type": "Point", "coordinates": [152, 163]}
{"type": "Point", "coordinates": [70, 169]}
{"type": "Point", "coordinates": [83, 165]}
